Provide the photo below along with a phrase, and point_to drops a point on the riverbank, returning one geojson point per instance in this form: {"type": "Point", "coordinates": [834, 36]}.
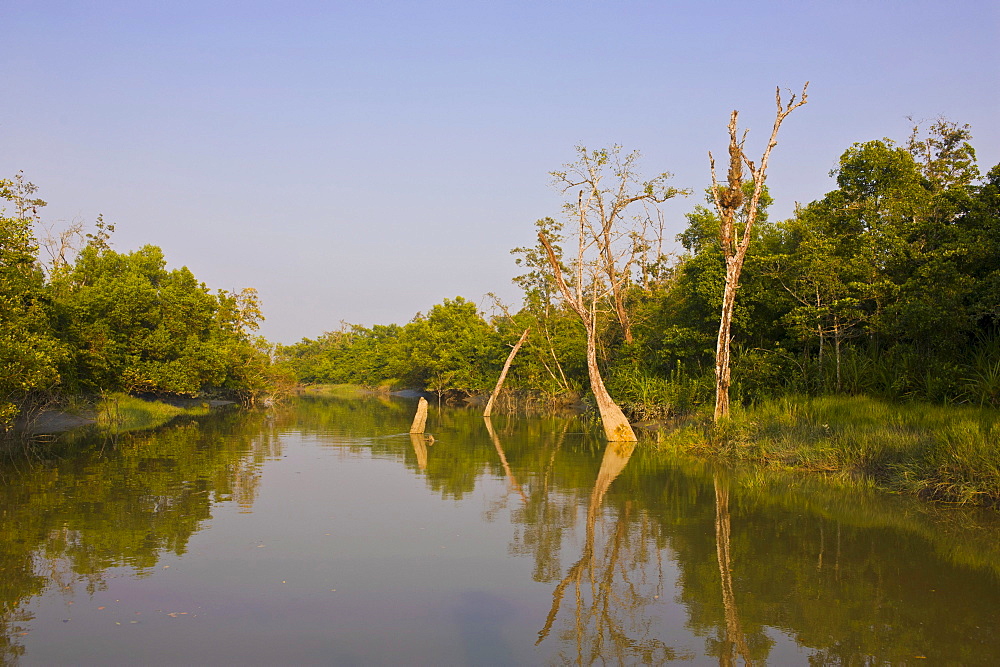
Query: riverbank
{"type": "Point", "coordinates": [946, 453]}
{"type": "Point", "coordinates": [116, 413]}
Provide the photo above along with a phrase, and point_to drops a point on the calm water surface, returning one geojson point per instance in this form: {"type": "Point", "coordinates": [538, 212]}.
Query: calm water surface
{"type": "Point", "coordinates": [325, 534]}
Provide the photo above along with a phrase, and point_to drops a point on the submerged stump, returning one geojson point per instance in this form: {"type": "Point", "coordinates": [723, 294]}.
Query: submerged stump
{"type": "Point", "coordinates": [420, 419]}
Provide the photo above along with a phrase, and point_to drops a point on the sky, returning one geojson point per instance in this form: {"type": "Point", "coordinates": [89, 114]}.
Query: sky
{"type": "Point", "coordinates": [362, 161]}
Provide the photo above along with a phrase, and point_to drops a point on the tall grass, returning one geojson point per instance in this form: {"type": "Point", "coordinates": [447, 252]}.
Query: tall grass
{"type": "Point", "coordinates": [119, 413]}
{"type": "Point", "coordinates": [950, 453]}
{"type": "Point", "coordinates": [646, 396]}
{"type": "Point", "coordinates": [905, 373]}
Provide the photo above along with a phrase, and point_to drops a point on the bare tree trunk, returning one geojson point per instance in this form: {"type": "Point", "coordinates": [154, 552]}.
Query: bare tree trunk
{"type": "Point", "coordinates": [722, 351]}
{"type": "Point", "coordinates": [822, 334]}
{"type": "Point", "coordinates": [836, 346]}
{"type": "Point", "coordinates": [622, 314]}
{"type": "Point", "coordinates": [503, 374]}
{"type": "Point", "coordinates": [729, 201]}
{"type": "Point", "coordinates": [616, 426]}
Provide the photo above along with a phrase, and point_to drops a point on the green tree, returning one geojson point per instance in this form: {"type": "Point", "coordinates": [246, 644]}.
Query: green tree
{"type": "Point", "coordinates": [29, 353]}
{"type": "Point", "coordinates": [452, 348]}
{"type": "Point", "coordinates": [135, 326]}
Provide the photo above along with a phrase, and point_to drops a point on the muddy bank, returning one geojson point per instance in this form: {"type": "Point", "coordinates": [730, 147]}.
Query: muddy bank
{"type": "Point", "coordinates": [53, 421]}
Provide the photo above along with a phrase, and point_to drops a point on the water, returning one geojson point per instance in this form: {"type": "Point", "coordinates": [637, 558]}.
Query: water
{"type": "Point", "coordinates": [325, 534]}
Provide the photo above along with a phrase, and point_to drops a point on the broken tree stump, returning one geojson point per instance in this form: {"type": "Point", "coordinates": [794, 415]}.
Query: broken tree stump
{"type": "Point", "coordinates": [420, 419]}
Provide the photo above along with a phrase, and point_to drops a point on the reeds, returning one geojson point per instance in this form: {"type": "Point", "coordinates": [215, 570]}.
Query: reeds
{"type": "Point", "coordinates": [950, 453]}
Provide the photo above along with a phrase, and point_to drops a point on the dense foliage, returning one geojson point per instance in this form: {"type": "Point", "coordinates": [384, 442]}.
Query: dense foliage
{"type": "Point", "coordinates": [91, 319]}
{"type": "Point", "coordinates": [887, 286]}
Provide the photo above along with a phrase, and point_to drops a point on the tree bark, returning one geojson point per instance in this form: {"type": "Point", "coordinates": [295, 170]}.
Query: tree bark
{"type": "Point", "coordinates": [503, 374]}
{"type": "Point", "coordinates": [616, 425]}
{"type": "Point", "coordinates": [722, 346]}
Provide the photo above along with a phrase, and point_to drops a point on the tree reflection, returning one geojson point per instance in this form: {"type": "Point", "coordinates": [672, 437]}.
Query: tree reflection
{"type": "Point", "coordinates": [419, 442]}
{"type": "Point", "coordinates": [540, 523]}
{"type": "Point", "coordinates": [87, 506]}
{"type": "Point", "coordinates": [503, 459]}
{"type": "Point", "coordinates": [733, 638]}
{"type": "Point", "coordinates": [609, 584]}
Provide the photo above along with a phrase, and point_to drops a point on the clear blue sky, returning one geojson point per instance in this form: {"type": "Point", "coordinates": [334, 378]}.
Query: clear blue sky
{"type": "Point", "coordinates": [363, 160]}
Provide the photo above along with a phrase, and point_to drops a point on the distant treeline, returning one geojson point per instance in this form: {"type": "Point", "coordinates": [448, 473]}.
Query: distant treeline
{"type": "Point", "coordinates": [77, 317]}
{"type": "Point", "coordinates": [888, 286]}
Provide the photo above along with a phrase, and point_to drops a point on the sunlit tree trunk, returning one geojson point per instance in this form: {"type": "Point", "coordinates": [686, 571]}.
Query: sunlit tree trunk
{"type": "Point", "coordinates": [503, 374]}
{"type": "Point", "coordinates": [729, 201]}
{"type": "Point", "coordinates": [616, 425]}
{"type": "Point", "coordinates": [420, 418]}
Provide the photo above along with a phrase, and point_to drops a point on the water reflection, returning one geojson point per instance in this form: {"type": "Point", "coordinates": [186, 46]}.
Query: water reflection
{"type": "Point", "coordinates": [495, 439]}
{"type": "Point", "coordinates": [70, 512]}
{"type": "Point", "coordinates": [634, 555]}
{"type": "Point", "coordinates": [608, 584]}
{"type": "Point", "coordinates": [733, 640]}
{"type": "Point", "coordinates": [419, 442]}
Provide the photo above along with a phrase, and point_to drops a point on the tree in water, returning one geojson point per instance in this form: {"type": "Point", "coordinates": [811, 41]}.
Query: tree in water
{"type": "Point", "coordinates": [608, 251]}
{"type": "Point", "coordinates": [734, 238]}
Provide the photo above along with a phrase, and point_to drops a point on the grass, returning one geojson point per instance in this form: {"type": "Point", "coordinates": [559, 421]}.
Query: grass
{"type": "Point", "coordinates": [645, 396]}
{"type": "Point", "coordinates": [120, 413]}
{"type": "Point", "coordinates": [949, 453]}
{"type": "Point", "coordinates": [337, 390]}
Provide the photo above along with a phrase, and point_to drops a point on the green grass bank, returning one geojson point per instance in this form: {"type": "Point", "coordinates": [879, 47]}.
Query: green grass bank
{"type": "Point", "coordinates": [948, 453]}
{"type": "Point", "coordinates": [119, 412]}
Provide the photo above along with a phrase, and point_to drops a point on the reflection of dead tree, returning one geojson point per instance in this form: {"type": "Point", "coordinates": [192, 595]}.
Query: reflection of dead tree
{"type": "Point", "coordinates": [419, 442]}
{"type": "Point", "coordinates": [734, 633]}
{"type": "Point", "coordinates": [540, 522]}
{"type": "Point", "coordinates": [503, 457]}
{"type": "Point", "coordinates": [616, 455]}
{"type": "Point", "coordinates": [604, 584]}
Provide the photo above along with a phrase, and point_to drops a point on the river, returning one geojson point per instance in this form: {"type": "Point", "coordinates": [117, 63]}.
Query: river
{"type": "Point", "coordinates": [323, 533]}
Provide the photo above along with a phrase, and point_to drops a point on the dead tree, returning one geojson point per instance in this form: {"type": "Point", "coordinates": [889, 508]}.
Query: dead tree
{"type": "Point", "coordinates": [616, 426]}
{"type": "Point", "coordinates": [729, 201]}
{"type": "Point", "coordinates": [503, 374]}
{"type": "Point", "coordinates": [619, 244]}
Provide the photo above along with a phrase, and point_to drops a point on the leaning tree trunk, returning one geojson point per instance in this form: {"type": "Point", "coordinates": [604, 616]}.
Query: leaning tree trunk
{"type": "Point", "coordinates": [503, 374]}
{"type": "Point", "coordinates": [616, 426]}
